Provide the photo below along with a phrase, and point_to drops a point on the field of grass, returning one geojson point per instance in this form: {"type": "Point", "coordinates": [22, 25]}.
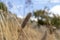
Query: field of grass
{"type": "Point", "coordinates": [10, 29]}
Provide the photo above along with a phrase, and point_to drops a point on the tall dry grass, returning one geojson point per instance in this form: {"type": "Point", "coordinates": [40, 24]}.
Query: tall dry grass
{"type": "Point", "coordinates": [10, 29]}
{"type": "Point", "coordinates": [8, 26]}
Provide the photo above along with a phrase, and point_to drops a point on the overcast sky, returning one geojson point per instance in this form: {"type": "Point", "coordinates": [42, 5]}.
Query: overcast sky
{"type": "Point", "coordinates": [18, 6]}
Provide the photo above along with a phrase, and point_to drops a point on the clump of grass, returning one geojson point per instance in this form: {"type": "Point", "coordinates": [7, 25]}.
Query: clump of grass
{"type": "Point", "coordinates": [10, 29]}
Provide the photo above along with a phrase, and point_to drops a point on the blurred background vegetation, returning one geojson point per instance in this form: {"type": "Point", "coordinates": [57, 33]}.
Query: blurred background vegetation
{"type": "Point", "coordinates": [3, 6]}
{"type": "Point", "coordinates": [44, 18]}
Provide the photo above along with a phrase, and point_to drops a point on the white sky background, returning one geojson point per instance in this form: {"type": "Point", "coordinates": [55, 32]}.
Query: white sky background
{"type": "Point", "coordinates": [55, 9]}
{"type": "Point", "coordinates": [54, 1]}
